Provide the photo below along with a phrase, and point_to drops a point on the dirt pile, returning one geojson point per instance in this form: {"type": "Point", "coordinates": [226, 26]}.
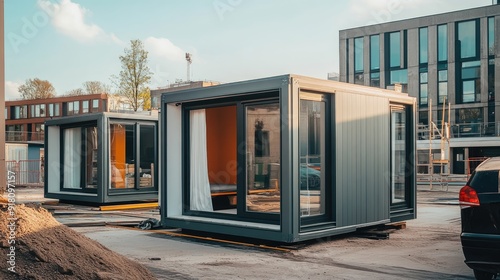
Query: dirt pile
{"type": "Point", "coordinates": [36, 246]}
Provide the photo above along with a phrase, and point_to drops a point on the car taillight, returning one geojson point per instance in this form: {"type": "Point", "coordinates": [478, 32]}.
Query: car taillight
{"type": "Point", "coordinates": [468, 197]}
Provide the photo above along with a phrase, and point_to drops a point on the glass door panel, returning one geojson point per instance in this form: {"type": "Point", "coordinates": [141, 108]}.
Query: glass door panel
{"type": "Point", "coordinates": [398, 155]}
{"type": "Point", "coordinates": [263, 155]}
{"type": "Point", "coordinates": [312, 157]}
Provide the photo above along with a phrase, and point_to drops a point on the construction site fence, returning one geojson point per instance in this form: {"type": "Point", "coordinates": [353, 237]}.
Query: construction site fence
{"type": "Point", "coordinates": [25, 172]}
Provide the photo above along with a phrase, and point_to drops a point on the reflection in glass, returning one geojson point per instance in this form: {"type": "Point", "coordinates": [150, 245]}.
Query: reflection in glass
{"type": "Point", "coordinates": [91, 156]}
{"type": "Point", "coordinates": [263, 157]}
{"type": "Point", "coordinates": [374, 52]}
{"type": "Point", "coordinates": [358, 54]}
{"type": "Point", "coordinates": [122, 156]}
{"type": "Point", "coordinates": [423, 43]}
{"type": "Point", "coordinates": [146, 155]}
{"type": "Point", "coordinates": [398, 155]}
{"type": "Point", "coordinates": [442, 42]}
{"type": "Point", "coordinates": [312, 159]}
{"type": "Point", "coordinates": [395, 49]}
{"type": "Point", "coordinates": [467, 37]}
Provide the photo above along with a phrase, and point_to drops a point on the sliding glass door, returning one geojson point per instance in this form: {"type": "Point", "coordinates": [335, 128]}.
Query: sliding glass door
{"type": "Point", "coordinates": [400, 163]}
{"type": "Point", "coordinates": [234, 157]}
{"type": "Point", "coordinates": [262, 158]}
{"type": "Point", "coordinates": [315, 190]}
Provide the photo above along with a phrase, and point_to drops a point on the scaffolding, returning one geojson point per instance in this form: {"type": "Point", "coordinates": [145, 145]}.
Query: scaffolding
{"type": "Point", "coordinates": [434, 132]}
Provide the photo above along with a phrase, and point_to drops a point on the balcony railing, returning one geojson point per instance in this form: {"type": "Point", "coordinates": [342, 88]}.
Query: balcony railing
{"type": "Point", "coordinates": [24, 136]}
{"type": "Point", "coordinates": [462, 130]}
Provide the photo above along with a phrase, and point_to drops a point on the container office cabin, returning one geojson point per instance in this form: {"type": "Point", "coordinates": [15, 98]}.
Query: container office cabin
{"type": "Point", "coordinates": [286, 158]}
{"type": "Point", "coordinates": [102, 158]}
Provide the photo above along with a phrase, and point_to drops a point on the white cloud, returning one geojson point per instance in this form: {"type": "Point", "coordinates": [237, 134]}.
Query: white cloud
{"type": "Point", "coordinates": [70, 19]}
{"type": "Point", "coordinates": [164, 48]}
{"type": "Point", "coordinates": [11, 90]}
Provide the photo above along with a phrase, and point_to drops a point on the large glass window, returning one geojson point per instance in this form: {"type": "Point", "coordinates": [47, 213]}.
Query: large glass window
{"type": "Point", "coordinates": [358, 54]}
{"type": "Point", "coordinates": [147, 155]}
{"type": "Point", "coordinates": [95, 105]}
{"type": "Point", "coordinates": [54, 110]}
{"type": "Point", "coordinates": [85, 106]}
{"type": "Point", "coordinates": [122, 155]}
{"type": "Point", "coordinates": [375, 52]}
{"type": "Point", "coordinates": [442, 86]}
{"type": "Point", "coordinates": [491, 36]}
{"type": "Point", "coordinates": [234, 153]}
{"type": "Point", "coordinates": [69, 108]}
{"type": "Point", "coordinates": [358, 61]}
{"type": "Point", "coordinates": [395, 49]}
{"type": "Point", "coordinates": [423, 45]}
{"type": "Point", "coordinates": [423, 99]}
{"type": "Point", "coordinates": [471, 82]}
{"type": "Point", "coordinates": [42, 110]}
{"type": "Point", "coordinates": [442, 31]}
{"type": "Point", "coordinates": [76, 107]}
{"type": "Point", "coordinates": [263, 156]}
{"type": "Point", "coordinates": [312, 137]}
{"type": "Point", "coordinates": [79, 164]}
{"type": "Point", "coordinates": [467, 35]}
{"type": "Point", "coordinates": [399, 163]}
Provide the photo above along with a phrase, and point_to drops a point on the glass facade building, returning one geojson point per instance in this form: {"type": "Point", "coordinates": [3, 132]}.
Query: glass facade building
{"type": "Point", "coordinates": [445, 59]}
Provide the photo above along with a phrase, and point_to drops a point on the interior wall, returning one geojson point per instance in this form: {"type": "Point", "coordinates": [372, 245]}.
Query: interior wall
{"type": "Point", "coordinates": [118, 156]}
{"type": "Point", "coordinates": [221, 144]}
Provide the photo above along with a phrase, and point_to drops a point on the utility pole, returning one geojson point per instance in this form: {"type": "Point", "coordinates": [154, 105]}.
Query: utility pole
{"type": "Point", "coordinates": [188, 60]}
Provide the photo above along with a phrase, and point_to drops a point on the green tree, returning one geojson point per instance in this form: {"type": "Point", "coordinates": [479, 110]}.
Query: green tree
{"type": "Point", "coordinates": [36, 89]}
{"type": "Point", "coordinates": [134, 76]}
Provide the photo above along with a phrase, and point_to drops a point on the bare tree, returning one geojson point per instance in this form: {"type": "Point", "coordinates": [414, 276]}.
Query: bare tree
{"type": "Point", "coordinates": [75, 92]}
{"type": "Point", "coordinates": [36, 89]}
{"type": "Point", "coordinates": [95, 87]}
{"type": "Point", "coordinates": [135, 74]}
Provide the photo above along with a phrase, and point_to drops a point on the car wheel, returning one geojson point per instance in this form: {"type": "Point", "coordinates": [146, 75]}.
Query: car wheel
{"type": "Point", "coordinates": [484, 275]}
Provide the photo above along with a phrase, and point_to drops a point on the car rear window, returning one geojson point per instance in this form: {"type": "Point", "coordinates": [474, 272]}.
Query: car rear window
{"type": "Point", "coordinates": [484, 181]}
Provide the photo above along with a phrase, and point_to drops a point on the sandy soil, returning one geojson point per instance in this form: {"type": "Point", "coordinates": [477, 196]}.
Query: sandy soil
{"type": "Point", "coordinates": [41, 248]}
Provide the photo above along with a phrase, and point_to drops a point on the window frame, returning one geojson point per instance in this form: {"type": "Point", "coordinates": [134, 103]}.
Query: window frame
{"type": "Point", "coordinates": [265, 97]}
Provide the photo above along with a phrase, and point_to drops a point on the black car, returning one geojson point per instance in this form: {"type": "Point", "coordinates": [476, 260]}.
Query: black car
{"type": "Point", "coordinates": [480, 212]}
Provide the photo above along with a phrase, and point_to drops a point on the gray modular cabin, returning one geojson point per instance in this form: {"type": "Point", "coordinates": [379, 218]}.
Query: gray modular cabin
{"type": "Point", "coordinates": [286, 158]}
{"type": "Point", "coordinates": [102, 158]}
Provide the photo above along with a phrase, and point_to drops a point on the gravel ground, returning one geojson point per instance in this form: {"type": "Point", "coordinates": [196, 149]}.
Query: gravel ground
{"type": "Point", "coordinates": [429, 248]}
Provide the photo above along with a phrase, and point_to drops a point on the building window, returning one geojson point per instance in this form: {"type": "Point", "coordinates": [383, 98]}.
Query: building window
{"type": "Point", "coordinates": [56, 109]}
{"type": "Point", "coordinates": [19, 112]}
{"type": "Point", "coordinates": [76, 107]}
{"type": "Point", "coordinates": [423, 45]}
{"type": "Point", "coordinates": [423, 117]}
{"type": "Point", "coordinates": [358, 61]}
{"type": "Point", "coordinates": [469, 122]}
{"type": "Point", "coordinates": [423, 98]}
{"type": "Point", "coordinates": [85, 106]}
{"type": "Point", "coordinates": [375, 79]}
{"type": "Point", "coordinates": [42, 110]}
{"type": "Point", "coordinates": [69, 108]}
{"type": "Point", "coordinates": [79, 158]}
{"type": "Point", "coordinates": [442, 33]}
{"type": "Point", "coordinates": [6, 113]}
{"type": "Point", "coordinates": [396, 54]}
{"type": "Point", "coordinates": [375, 52]}
{"type": "Point", "coordinates": [442, 86]}
{"type": "Point", "coordinates": [468, 38]}
{"type": "Point", "coordinates": [95, 105]}
{"type": "Point", "coordinates": [23, 111]}
{"type": "Point", "coordinates": [395, 49]}
{"type": "Point", "coordinates": [471, 82]}
{"type": "Point", "coordinates": [375, 60]}
{"type": "Point", "coordinates": [491, 36]}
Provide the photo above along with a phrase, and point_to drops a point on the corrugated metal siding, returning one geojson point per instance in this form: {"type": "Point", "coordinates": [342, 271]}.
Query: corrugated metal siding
{"type": "Point", "coordinates": [362, 158]}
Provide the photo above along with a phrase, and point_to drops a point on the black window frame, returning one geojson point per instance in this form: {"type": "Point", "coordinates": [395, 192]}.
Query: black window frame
{"type": "Point", "coordinates": [136, 155]}
{"type": "Point", "coordinates": [83, 184]}
{"type": "Point", "coordinates": [240, 101]}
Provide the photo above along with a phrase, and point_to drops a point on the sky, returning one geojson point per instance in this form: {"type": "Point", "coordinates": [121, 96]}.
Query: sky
{"type": "Point", "coordinates": [69, 42]}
